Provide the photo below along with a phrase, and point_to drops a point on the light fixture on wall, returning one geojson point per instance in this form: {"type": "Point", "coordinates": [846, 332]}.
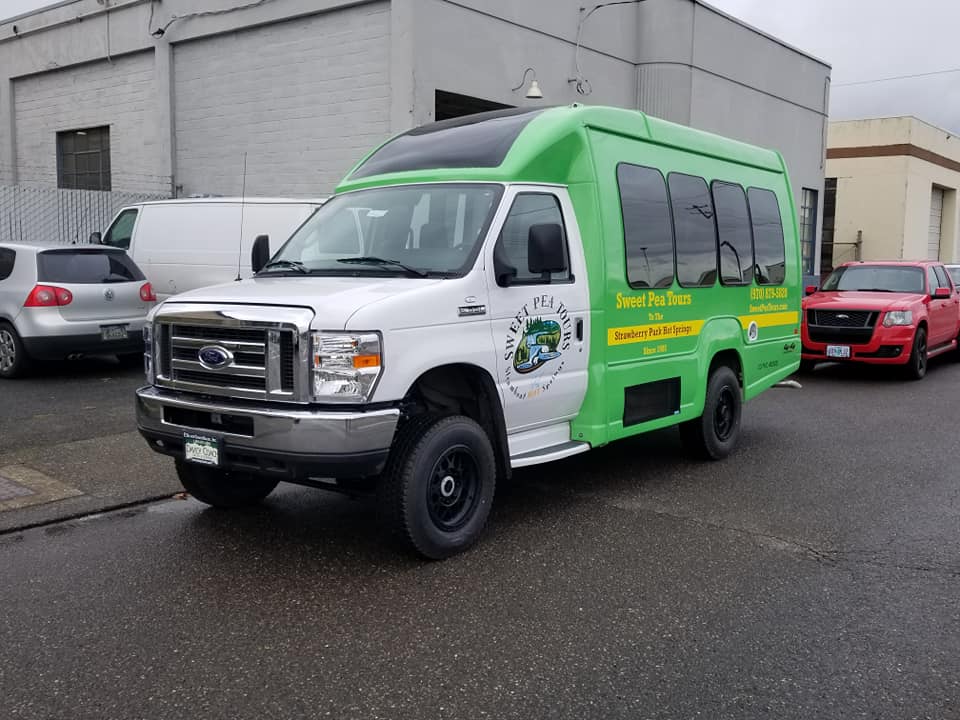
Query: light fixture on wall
{"type": "Point", "coordinates": [533, 92]}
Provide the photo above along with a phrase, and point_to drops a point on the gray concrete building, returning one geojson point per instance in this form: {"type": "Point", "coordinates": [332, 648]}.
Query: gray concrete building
{"type": "Point", "coordinates": [173, 97]}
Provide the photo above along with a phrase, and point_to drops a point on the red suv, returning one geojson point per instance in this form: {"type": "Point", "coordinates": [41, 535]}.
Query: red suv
{"type": "Point", "coordinates": [887, 313]}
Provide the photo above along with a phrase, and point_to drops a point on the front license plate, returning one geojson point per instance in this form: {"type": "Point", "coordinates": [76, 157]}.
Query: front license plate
{"type": "Point", "coordinates": [114, 332]}
{"type": "Point", "coordinates": [838, 351]}
{"type": "Point", "coordinates": [201, 449]}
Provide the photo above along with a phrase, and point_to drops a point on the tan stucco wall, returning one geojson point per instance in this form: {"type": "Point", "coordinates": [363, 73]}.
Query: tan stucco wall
{"type": "Point", "coordinates": [888, 198]}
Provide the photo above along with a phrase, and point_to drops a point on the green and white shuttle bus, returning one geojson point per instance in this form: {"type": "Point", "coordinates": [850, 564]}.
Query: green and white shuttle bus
{"type": "Point", "coordinates": [480, 295]}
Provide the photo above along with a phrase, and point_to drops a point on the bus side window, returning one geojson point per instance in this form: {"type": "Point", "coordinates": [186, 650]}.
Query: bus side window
{"type": "Point", "coordinates": [647, 227]}
{"type": "Point", "coordinates": [770, 257]}
{"type": "Point", "coordinates": [694, 230]}
{"type": "Point", "coordinates": [733, 231]}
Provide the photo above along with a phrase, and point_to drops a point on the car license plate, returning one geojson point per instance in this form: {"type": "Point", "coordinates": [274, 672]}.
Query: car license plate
{"type": "Point", "coordinates": [114, 332]}
{"type": "Point", "coordinates": [201, 449]}
{"type": "Point", "coordinates": [838, 351]}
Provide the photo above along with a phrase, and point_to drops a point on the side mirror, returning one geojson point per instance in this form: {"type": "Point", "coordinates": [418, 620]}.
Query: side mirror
{"type": "Point", "coordinates": [810, 289]}
{"type": "Point", "coordinates": [95, 238]}
{"type": "Point", "coordinates": [260, 254]}
{"type": "Point", "coordinates": [545, 249]}
{"type": "Point", "coordinates": [942, 293]}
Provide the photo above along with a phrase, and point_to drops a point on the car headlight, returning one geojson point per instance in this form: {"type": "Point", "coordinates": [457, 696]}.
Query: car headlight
{"type": "Point", "coordinates": [897, 317]}
{"type": "Point", "coordinates": [345, 366]}
{"type": "Point", "coordinates": [148, 353]}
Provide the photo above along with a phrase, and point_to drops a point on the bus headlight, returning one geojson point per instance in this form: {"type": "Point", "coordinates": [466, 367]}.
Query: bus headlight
{"type": "Point", "coordinates": [345, 366]}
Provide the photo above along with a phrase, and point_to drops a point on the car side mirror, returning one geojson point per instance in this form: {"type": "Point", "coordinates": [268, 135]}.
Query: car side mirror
{"type": "Point", "coordinates": [545, 249]}
{"type": "Point", "coordinates": [810, 289]}
{"type": "Point", "coordinates": [95, 238]}
{"type": "Point", "coordinates": [260, 254]}
{"type": "Point", "coordinates": [942, 293]}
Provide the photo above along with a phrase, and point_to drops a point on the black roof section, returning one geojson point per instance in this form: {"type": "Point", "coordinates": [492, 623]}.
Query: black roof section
{"type": "Point", "coordinates": [475, 141]}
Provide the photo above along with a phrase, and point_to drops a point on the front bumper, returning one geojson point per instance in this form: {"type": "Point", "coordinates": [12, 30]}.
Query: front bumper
{"type": "Point", "coordinates": [887, 346]}
{"type": "Point", "coordinates": [290, 443]}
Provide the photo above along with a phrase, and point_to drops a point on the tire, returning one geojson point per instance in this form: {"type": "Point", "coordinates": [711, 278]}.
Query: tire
{"type": "Point", "coordinates": [714, 435]}
{"type": "Point", "coordinates": [916, 367]}
{"type": "Point", "coordinates": [438, 486]}
{"type": "Point", "coordinates": [807, 366]}
{"type": "Point", "coordinates": [13, 356]}
{"type": "Point", "coordinates": [223, 488]}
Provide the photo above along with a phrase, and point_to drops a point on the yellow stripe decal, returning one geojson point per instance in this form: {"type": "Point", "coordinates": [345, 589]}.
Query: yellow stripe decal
{"type": "Point", "coordinates": [770, 319]}
{"type": "Point", "coordinates": [653, 333]}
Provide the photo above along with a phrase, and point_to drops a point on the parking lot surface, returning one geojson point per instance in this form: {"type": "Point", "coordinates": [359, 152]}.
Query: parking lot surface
{"type": "Point", "coordinates": [814, 574]}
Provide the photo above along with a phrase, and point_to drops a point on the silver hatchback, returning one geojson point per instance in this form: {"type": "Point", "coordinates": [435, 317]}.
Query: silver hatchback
{"type": "Point", "coordinates": [60, 301]}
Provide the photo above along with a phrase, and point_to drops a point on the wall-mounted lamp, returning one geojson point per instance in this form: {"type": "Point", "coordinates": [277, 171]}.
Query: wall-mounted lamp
{"type": "Point", "coordinates": [533, 92]}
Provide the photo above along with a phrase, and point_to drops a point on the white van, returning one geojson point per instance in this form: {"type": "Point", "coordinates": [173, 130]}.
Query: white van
{"type": "Point", "coordinates": [191, 243]}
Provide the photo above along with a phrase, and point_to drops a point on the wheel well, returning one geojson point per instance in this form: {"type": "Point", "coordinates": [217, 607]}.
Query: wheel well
{"type": "Point", "coordinates": [462, 389]}
{"type": "Point", "coordinates": [729, 358]}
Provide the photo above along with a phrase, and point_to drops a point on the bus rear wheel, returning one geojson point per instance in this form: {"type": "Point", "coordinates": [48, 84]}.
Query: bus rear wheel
{"type": "Point", "coordinates": [714, 435]}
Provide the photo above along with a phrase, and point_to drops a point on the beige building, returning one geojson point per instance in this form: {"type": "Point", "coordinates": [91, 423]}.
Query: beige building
{"type": "Point", "coordinates": [891, 192]}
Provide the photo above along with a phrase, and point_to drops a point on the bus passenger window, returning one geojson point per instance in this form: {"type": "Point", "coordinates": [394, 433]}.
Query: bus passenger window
{"type": "Point", "coordinates": [647, 230]}
{"type": "Point", "coordinates": [733, 229]}
{"type": "Point", "coordinates": [695, 232]}
{"type": "Point", "coordinates": [770, 262]}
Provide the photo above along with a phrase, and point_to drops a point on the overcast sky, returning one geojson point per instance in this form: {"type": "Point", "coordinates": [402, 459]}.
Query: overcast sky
{"type": "Point", "coordinates": [861, 39]}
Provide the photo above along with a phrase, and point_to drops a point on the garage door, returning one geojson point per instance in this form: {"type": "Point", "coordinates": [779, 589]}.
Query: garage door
{"type": "Point", "coordinates": [936, 222]}
{"type": "Point", "coordinates": [305, 99]}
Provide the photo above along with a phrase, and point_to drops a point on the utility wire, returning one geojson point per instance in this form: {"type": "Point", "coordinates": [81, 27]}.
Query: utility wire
{"type": "Point", "coordinates": [203, 13]}
{"type": "Point", "coordinates": [897, 77]}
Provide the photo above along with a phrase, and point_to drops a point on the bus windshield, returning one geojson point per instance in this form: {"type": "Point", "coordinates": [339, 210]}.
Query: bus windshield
{"type": "Point", "coordinates": [412, 230]}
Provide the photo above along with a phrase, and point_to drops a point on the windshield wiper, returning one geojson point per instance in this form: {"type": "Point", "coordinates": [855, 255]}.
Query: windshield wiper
{"type": "Point", "coordinates": [370, 260]}
{"type": "Point", "coordinates": [295, 264]}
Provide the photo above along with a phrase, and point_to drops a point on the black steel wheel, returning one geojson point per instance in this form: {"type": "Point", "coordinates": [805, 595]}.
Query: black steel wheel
{"type": "Point", "coordinates": [917, 364]}
{"type": "Point", "coordinates": [437, 489]}
{"type": "Point", "coordinates": [223, 488]}
{"type": "Point", "coordinates": [714, 434]}
{"type": "Point", "coordinates": [13, 356]}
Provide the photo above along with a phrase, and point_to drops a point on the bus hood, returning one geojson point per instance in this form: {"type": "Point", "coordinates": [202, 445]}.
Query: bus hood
{"type": "Point", "coordinates": [333, 299]}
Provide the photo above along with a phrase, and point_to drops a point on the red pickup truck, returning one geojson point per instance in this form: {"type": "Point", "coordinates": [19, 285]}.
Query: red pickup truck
{"type": "Point", "coordinates": [885, 313]}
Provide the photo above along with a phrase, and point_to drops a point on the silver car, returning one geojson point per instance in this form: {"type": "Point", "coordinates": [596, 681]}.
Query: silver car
{"type": "Point", "coordinates": [61, 301]}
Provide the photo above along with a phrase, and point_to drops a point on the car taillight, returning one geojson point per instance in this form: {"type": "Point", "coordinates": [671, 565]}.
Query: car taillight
{"type": "Point", "coordinates": [48, 296]}
{"type": "Point", "coordinates": [147, 294]}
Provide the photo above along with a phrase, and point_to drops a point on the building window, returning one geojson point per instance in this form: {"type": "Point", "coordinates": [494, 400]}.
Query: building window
{"type": "Point", "coordinates": [83, 159]}
{"type": "Point", "coordinates": [808, 228]}
{"type": "Point", "coordinates": [829, 220]}
{"type": "Point", "coordinates": [647, 228]}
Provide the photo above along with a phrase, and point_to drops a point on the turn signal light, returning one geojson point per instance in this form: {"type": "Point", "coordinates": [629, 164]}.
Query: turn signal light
{"type": "Point", "coordinates": [366, 361]}
{"type": "Point", "coordinates": [48, 296]}
{"type": "Point", "coordinates": [147, 294]}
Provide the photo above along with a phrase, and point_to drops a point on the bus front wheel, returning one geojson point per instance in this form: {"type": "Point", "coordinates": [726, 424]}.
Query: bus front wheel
{"type": "Point", "coordinates": [714, 435]}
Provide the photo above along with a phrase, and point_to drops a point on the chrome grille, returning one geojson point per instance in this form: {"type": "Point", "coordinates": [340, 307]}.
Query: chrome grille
{"type": "Point", "coordinates": [265, 361]}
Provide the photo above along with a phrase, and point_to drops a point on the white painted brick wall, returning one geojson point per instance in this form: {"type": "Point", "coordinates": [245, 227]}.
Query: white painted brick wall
{"type": "Point", "coordinates": [305, 99]}
{"type": "Point", "coordinates": [119, 94]}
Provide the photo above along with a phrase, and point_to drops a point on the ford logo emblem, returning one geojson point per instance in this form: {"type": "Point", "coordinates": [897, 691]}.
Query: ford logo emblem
{"type": "Point", "coordinates": [214, 357]}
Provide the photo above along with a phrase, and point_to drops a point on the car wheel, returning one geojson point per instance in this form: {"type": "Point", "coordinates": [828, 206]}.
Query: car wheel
{"type": "Point", "coordinates": [13, 356]}
{"type": "Point", "coordinates": [917, 364]}
{"type": "Point", "coordinates": [223, 488]}
{"type": "Point", "coordinates": [437, 489]}
{"type": "Point", "coordinates": [714, 435]}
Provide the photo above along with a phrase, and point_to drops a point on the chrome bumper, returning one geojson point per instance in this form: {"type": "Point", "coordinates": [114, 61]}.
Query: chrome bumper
{"type": "Point", "coordinates": [296, 443]}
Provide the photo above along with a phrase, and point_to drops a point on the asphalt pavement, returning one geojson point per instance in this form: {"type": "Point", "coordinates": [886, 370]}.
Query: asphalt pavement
{"type": "Point", "coordinates": [813, 574]}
